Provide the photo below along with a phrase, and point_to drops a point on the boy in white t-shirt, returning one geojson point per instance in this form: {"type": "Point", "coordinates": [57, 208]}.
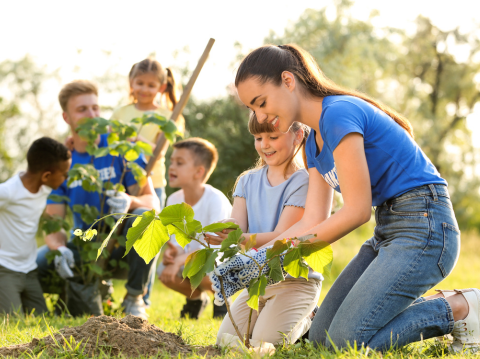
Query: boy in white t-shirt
{"type": "Point", "coordinates": [22, 201]}
{"type": "Point", "coordinates": [191, 164]}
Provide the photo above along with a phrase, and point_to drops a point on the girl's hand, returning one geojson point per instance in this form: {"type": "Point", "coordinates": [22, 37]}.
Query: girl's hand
{"type": "Point", "coordinates": [219, 238]}
{"type": "Point", "coordinates": [170, 253]}
{"type": "Point", "coordinates": [233, 220]}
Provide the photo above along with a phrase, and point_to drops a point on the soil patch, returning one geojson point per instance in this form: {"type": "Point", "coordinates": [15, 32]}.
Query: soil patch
{"type": "Point", "coordinates": [129, 337]}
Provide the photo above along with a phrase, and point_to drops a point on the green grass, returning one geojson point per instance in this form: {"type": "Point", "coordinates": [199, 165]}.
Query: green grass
{"type": "Point", "coordinates": [167, 305]}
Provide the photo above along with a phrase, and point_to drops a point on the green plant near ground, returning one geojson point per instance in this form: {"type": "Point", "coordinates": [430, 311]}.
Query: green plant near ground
{"type": "Point", "coordinates": [18, 329]}
{"type": "Point", "coordinates": [120, 145]}
{"type": "Point", "coordinates": [150, 231]}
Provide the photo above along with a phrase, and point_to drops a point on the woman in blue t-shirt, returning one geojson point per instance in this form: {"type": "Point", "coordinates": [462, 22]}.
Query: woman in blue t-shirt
{"type": "Point", "coordinates": [367, 151]}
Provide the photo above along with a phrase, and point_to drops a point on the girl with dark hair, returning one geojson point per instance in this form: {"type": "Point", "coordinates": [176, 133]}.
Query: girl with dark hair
{"type": "Point", "coordinates": [366, 150]}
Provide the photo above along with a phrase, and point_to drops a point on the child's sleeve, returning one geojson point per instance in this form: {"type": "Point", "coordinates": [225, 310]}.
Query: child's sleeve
{"type": "Point", "coordinates": [298, 197]}
{"type": "Point", "coordinates": [4, 195]}
{"type": "Point", "coordinates": [240, 188]}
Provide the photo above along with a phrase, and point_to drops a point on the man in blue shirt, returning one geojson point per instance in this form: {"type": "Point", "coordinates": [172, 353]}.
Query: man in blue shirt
{"type": "Point", "coordinates": [79, 100]}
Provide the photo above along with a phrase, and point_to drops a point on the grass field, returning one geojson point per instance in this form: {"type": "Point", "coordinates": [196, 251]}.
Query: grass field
{"type": "Point", "coordinates": [166, 307]}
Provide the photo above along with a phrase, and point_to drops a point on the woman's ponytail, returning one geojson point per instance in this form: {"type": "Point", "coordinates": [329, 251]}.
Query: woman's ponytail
{"type": "Point", "coordinates": [267, 63]}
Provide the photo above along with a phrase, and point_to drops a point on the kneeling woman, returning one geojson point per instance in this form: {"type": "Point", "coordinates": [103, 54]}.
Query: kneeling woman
{"type": "Point", "coordinates": [367, 151]}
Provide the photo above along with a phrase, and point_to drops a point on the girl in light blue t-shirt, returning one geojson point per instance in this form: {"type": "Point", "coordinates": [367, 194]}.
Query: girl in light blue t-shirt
{"type": "Point", "coordinates": [269, 199]}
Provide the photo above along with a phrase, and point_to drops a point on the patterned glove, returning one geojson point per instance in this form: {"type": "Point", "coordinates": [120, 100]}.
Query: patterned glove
{"type": "Point", "coordinates": [235, 263]}
{"type": "Point", "coordinates": [64, 262]}
{"type": "Point", "coordinates": [251, 270]}
{"type": "Point", "coordinates": [238, 272]}
{"type": "Point", "coordinates": [119, 202]}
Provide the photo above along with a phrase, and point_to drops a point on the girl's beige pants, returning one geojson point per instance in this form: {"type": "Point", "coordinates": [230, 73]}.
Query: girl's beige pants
{"type": "Point", "coordinates": [283, 312]}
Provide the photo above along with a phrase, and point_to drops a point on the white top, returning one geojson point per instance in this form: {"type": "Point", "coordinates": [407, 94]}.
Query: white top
{"type": "Point", "coordinates": [20, 212]}
{"type": "Point", "coordinates": [213, 206]}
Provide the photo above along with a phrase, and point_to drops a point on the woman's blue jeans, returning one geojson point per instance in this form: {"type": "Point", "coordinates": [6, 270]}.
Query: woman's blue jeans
{"type": "Point", "coordinates": [375, 300]}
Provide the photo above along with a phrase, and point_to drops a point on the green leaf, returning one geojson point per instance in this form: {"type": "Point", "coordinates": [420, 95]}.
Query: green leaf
{"type": "Point", "coordinates": [194, 262]}
{"type": "Point", "coordinates": [169, 127]}
{"type": "Point", "coordinates": [131, 155]}
{"type": "Point", "coordinates": [295, 265]}
{"type": "Point", "coordinates": [234, 237]}
{"type": "Point", "coordinates": [110, 221]}
{"type": "Point", "coordinates": [101, 152]}
{"type": "Point", "coordinates": [123, 265]}
{"type": "Point", "coordinates": [139, 226]}
{"type": "Point", "coordinates": [96, 268]}
{"type": "Point", "coordinates": [255, 290]}
{"type": "Point", "coordinates": [58, 198]}
{"type": "Point", "coordinates": [152, 240]}
{"type": "Point", "coordinates": [182, 237]}
{"type": "Point", "coordinates": [144, 148]}
{"type": "Point", "coordinates": [209, 265]}
{"type": "Point", "coordinates": [218, 227]}
{"type": "Point", "coordinates": [105, 242]}
{"type": "Point", "coordinates": [138, 173]}
{"type": "Point", "coordinates": [318, 255]}
{"type": "Point", "coordinates": [153, 118]}
{"type": "Point", "coordinates": [230, 252]}
{"type": "Point", "coordinates": [276, 272]}
{"type": "Point", "coordinates": [279, 247]}
{"type": "Point", "coordinates": [112, 137]}
{"type": "Point", "coordinates": [176, 213]}
{"type": "Point", "coordinates": [92, 255]}
{"type": "Point", "coordinates": [113, 262]}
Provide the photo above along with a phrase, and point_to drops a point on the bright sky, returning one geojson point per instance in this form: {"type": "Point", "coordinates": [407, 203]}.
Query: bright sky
{"type": "Point", "coordinates": [54, 31]}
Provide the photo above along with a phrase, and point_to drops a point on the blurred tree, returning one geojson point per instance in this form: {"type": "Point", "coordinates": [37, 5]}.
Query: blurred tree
{"type": "Point", "coordinates": [25, 112]}
{"type": "Point", "coordinates": [418, 75]}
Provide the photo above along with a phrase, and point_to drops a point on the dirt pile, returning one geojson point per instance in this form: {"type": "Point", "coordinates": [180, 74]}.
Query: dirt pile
{"type": "Point", "coordinates": [129, 337]}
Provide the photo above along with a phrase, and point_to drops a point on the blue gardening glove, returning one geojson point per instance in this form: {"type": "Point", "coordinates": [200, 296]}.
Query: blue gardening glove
{"type": "Point", "coordinates": [64, 262]}
{"type": "Point", "coordinates": [119, 202]}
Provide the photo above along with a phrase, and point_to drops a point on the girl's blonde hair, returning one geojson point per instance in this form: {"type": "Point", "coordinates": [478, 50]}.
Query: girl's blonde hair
{"type": "Point", "coordinates": [164, 76]}
{"type": "Point", "coordinates": [256, 128]}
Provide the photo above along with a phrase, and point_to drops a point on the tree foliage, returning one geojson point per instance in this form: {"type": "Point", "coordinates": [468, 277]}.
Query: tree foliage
{"type": "Point", "coordinates": [418, 75]}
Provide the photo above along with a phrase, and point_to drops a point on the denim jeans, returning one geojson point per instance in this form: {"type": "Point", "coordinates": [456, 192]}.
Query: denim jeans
{"type": "Point", "coordinates": [375, 300]}
{"type": "Point", "coordinates": [137, 275]}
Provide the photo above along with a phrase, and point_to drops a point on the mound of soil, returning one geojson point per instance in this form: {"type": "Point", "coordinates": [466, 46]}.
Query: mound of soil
{"type": "Point", "coordinates": [130, 337]}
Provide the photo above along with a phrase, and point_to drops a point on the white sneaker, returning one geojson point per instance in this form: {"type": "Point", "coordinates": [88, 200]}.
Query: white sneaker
{"type": "Point", "coordinates": [135, 305]}
{"type": "Point", "coordinates": [466, 332]}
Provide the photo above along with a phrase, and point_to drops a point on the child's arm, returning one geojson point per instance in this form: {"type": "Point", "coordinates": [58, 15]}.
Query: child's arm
{"type": "Point", "coordinates": [290, 215]}
{"type": "Point", "coordinates": [57, 239]}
